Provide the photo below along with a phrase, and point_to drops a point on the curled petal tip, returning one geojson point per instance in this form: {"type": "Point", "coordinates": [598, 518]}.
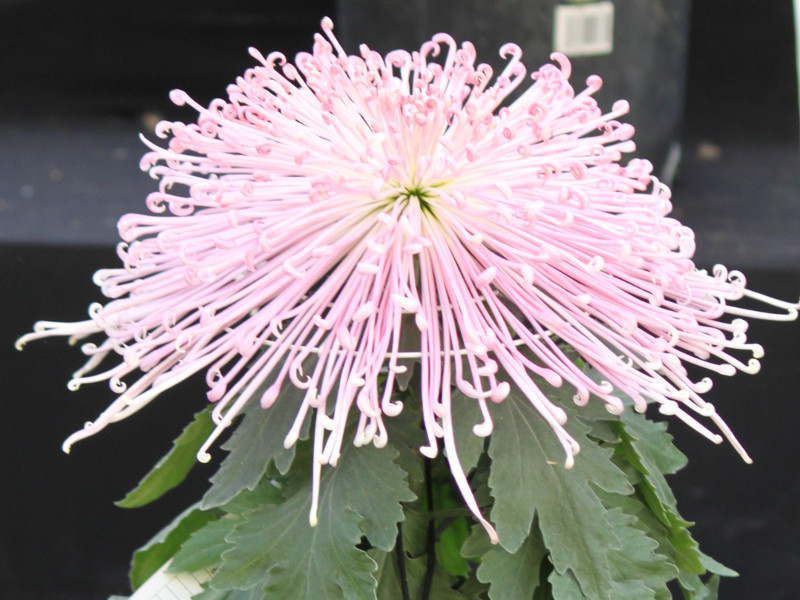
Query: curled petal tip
{"type": "Point", "coordinates": [621, 106]}
{"type": "Point", "coordinates": [178, 97]}
{"type": "Point", "coordinates": [483, 429]}
{"type": "Point", "coordinates": [753, 366]}
{"type": "Point", "coordinates": [429, 451]}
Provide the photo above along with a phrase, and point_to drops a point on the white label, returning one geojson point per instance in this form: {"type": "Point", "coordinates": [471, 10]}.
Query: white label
{"type": "Point", "coordinates": [166, 586]}
{"type": "Point", "coordinates": [584, 29]}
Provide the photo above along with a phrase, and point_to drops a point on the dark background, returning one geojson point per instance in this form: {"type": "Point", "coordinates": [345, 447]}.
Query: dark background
{"type": "Point", "coordinates": [81, 79]}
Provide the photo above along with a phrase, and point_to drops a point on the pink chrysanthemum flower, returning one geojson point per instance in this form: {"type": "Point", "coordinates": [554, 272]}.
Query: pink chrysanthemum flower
{"type": "Point", "coordinates": [329, 207]}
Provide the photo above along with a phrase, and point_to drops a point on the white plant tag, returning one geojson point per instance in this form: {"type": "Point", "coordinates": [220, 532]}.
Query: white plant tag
{"type": "Point", "coordinates": [584, 29]}
{"type": "Point", "coordinates": [170, 586]}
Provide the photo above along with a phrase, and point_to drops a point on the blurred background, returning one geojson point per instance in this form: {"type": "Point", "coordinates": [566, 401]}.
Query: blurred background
{"type": "Point", "coordinates": [714, 93]}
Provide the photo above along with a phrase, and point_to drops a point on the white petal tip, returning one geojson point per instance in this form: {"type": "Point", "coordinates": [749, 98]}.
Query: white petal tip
{"type": "Point", "coordinates": [483, 430]}
{"type": "Point", "coordinates": [669, 408]}
{"type": "Point", "coordinates": [178, 97]}
{"type": "Point", "coordinates": [429, 452]}
{"type": "Point", "coordinates": [500, 392]}
{"type": "Point", "coordinates": [559, 414]}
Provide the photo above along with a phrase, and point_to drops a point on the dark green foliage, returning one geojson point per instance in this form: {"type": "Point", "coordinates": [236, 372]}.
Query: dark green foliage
{"type": "Point", "coordinates": [606, 529]}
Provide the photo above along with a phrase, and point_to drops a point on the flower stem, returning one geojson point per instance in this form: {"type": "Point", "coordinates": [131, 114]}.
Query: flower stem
{"type": "Point", "coordinates": [401, 563]}
{"type": "Point", "coordinates": [431, 538]}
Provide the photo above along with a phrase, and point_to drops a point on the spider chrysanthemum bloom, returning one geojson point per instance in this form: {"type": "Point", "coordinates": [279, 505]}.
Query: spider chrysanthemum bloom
{"type": "Point", "coordinates": [330, 208]}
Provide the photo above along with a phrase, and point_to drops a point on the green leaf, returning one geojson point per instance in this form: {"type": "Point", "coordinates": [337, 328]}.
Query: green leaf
{"type": "Point", "coordinates": [278, 552]}
{"type": "Point", "coordinates": [268, 491]}
{"type": "Point", "coordinates": [477, 544]}
{"type": "Point", "coordinates": [514, 576]}
{"type": "Point", "coordinates": [415, 531]}
{"type": "Point", "coordinates": [713, 586]}
{"type": "Point", "coordinates": [589, 425]}
{"type": "Point", "coordinates": [602, 431]}
{"type": "Point", "coordinates": [448, 547]}
{"type": "Point", "coordinates": [637, 564]}
{"type": "Point", "coordinates": [694, 588]}
{"type": "Point", "coordinates": [565, 586]}
{"type": "Point", "coordinates": [527, 475]}
{"type": "Point", "coordinates": [651, 440]}
{"type": "Point", "coordinates": [716, 567]}
{"type": "Point", "coordinates": [172, 468]}
{"type": "Point", "coordinates": [647, 447]}
{"type": "Point", "coordinates": [256, 442]}
{"type": "Point", "coordinates": [692, 585]}
{"type": "Point", "coordinates": [479, 481]}
{"type": "Point", "coordinates": [275, 549]}
{"type": "Point", "coordinates": [149, 558]}
{"type": "Point", "coordinates": [474, 589]}
{"type": "Point", "coordinates": [204, 548]}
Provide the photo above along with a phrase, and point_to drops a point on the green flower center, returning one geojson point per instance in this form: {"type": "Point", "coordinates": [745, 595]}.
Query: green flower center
{"type": "Point", "coordinates": [423, 195]}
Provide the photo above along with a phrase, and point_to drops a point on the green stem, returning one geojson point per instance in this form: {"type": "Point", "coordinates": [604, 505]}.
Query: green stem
{"type": "Point", "coordinates": [401, 563]}
{"type": "Point", "coordinates": [427, 584]}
